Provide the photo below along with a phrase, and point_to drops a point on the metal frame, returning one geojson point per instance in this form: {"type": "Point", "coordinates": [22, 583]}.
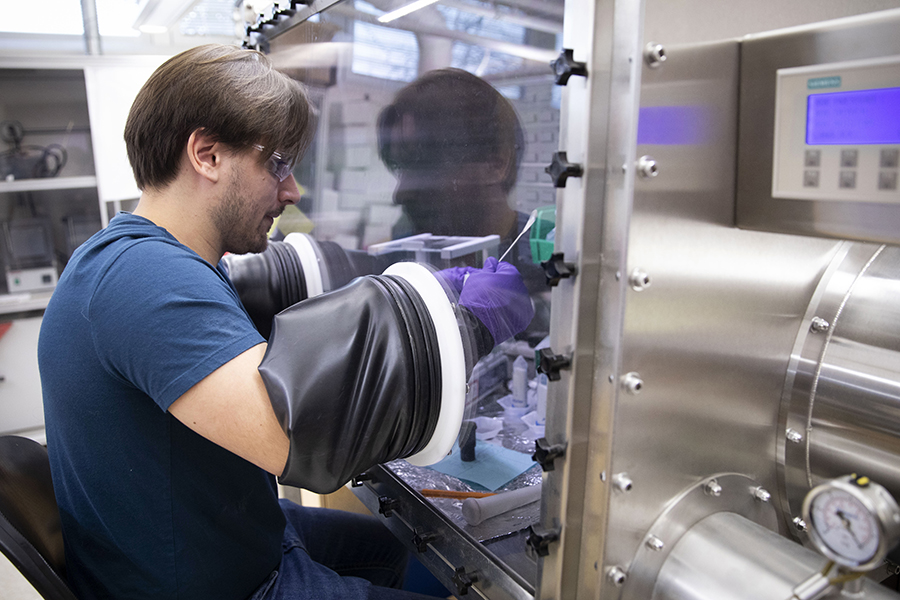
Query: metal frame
{"type": "Point", "coordinates": [598, 131]}
{"type": "Point", "coordinates": [438, 543]}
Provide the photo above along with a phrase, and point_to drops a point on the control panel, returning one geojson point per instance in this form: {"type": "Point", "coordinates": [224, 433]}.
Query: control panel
{"type": "Point", "coordinates": [837, 132]}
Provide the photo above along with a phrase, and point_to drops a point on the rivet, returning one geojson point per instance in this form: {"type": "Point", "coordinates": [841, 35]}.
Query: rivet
{"type": "Point", "coordinates": [799, 523]}
{"type": "Point", "coordinates": [632, 383]}
{"type": "Point", "coordinates": [639, 280]}
{"type": "Point", "coordinates": [616, 576]}
{"type": "Point", "coordinates": [761, 494]}
{"type": "Point", "coordinates": [793, 436]}
{"type": "Point", "coordinates": [655, 544]}
{"type": "Point", "coordinates": [647, 167]}
{"type": "Point", "coordinates": [819, 325]}
{"type": "Point", "coordinates": [654, 54]}
{"type": "Point", "coordinates": [712, 488]}
{"type": "Point", "coordinates": [622, 482]}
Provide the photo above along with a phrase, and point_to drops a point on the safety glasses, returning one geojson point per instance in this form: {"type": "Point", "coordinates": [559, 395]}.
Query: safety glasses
{"type": "Point", "coordinates": [276, 165]}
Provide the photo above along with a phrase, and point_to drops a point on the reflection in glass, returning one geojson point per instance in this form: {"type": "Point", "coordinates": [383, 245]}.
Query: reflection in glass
{"type": "Point", "coordinates": [437, 128]}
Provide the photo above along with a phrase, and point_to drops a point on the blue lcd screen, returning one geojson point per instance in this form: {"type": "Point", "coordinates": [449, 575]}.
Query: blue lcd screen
{"type": "Point", "coordinates": [858, 117]}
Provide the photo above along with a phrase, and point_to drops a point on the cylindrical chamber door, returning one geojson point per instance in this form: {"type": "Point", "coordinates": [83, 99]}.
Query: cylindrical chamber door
{"type": "Point", "coordinates": [842, 398]}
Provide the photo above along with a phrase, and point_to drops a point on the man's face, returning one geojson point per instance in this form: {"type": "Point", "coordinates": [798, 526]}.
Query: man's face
{"type": "Point", "coordinates": [441, 200]}
{"type": "Point", "coordinates": [252, 200]}
{"type": "Point", "coordinates": [438, 193]}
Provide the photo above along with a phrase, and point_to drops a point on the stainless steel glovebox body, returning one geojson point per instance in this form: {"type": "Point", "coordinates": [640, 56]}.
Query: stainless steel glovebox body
{"type": "Point", "coordinates": [722, 346]}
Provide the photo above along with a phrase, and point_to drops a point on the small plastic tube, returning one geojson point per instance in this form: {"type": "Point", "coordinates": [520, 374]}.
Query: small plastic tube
{"type": "Point", "coordinates": [541, 418]}
{"type": "Point", "coordinates": [520, 382]}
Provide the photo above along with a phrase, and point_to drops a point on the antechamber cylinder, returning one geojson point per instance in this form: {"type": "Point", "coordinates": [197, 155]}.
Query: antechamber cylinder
{"type": "Point", "coordinates": [841, 403]}
{"type": "Point", "coordinates": [728, 557]}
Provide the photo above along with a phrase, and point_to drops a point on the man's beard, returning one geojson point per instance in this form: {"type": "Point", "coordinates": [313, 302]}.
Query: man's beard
{"type": "Point", "coordinates": [238, 227]}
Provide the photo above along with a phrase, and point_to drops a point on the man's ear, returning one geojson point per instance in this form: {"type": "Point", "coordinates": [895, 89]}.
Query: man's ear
{"type": "Point", "coordinates": [205, 155]}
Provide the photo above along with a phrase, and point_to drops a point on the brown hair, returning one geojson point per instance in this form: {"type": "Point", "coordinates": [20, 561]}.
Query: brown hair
{"type": "Point", "coordinates": [458, 118]}
{"type": "Point", "coordinates": [235, 95]}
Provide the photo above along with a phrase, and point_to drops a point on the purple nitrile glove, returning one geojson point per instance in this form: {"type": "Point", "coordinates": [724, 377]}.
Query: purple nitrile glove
{"type": "Point", "coordinates": [456, 276]}
{"type": "Point", "coordinates": [496, 295]}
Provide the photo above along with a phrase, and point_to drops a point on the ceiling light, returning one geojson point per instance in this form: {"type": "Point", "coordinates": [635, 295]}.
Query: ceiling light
{"type": "Point", "coordinates": [404, 10]}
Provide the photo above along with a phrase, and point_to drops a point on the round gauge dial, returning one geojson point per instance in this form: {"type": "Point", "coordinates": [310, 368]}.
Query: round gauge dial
{"type": "Point", "coordinates": [845, 525]}
{"type": "Point", "coordinates": [853, 521]}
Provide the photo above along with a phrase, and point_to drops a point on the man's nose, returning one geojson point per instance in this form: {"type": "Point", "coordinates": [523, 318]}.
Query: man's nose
{"type": "Point", "coordinates": [288, 192]}
{"type": "Point", "coordinates": [412, 188]}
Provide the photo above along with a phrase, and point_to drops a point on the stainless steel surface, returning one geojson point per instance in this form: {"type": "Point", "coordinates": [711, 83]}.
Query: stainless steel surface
{"type": "Point", "coordinates": [711, 338]}
{"type": "Point", "coordinates": [761, 56]}
{"type": "Point", "coordinates": [597, 130]}
{"type": "Point", "coordinates": [731, 493]}
{"type": "Point", "coordinates": [843, 384]}
{"type": "Point", "coordinates": [728, 557]}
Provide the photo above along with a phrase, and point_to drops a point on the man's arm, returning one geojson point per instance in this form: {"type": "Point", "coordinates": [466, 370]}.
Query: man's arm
{"type": "Point", "coordinates": [231, 408]}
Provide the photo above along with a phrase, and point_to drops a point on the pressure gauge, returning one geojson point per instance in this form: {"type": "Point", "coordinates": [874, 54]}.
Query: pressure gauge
{"type": "Point", "coordinates": [853, 521]}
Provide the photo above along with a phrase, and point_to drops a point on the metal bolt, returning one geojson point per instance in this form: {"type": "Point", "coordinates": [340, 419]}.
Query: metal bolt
{"type": "Point", "coordinates": [793, 436]}
{"type": "Point", "coordinates": [639, 280]}
{"type": "Point", "coordinates": [632, 383]}
{"type": "Point", "coordinates": [622, 482]}
{"type": "Point", "coordinates": [761, 494]}
{"type": "Point", "coordinates": [654, 54]}
{"type": "Point", "coordinates": [646, 167]}
{"type": "Point", "coordinates": [616, 576]}
{"type": "Point", "coordinates": [655, 544]}
{"type": "Point", "coordinates": [799, 523]}
{"type": "Point", "coordinates": [712, 488]}
{"type": "Point", "coordinates": [819, 325]}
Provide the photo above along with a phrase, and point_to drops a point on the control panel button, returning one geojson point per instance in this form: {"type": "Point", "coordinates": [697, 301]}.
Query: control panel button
{"type": "Point", "coordinates": [887, 180]}
{"type": "Point", "coordinates": [812, 158]}
{"type": "Point", "coordinates": [810, 179]}
{"type": "Point", "coordinates": [890, 157]}
{"type": "Point", "coordinates": [849, 158]}
{"type": "Point", "coordinates": [847, 180]}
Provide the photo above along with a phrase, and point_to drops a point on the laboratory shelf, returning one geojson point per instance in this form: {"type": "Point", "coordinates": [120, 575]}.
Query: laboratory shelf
{"type": "Point", "coordinates": [48, 183]}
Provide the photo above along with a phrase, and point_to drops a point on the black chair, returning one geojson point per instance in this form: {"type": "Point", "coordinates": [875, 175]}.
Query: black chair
{"type": "Point", "coordinates": [30, 533]}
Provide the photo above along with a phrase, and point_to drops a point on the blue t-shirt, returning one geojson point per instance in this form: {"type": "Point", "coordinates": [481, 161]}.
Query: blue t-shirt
{"type": "Point", "coordinates": [149, 508]}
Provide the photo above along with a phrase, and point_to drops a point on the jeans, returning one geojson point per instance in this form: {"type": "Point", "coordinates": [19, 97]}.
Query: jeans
{"type": "Point", "coordinates": [335, 555]}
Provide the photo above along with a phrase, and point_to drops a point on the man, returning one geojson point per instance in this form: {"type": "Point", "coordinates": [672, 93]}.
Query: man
{"type": "Point", "coordinates": [162, 435]}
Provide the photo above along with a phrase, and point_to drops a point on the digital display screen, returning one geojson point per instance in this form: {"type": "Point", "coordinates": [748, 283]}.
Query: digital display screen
{"type": "Point", "coordinates": [854, 118]}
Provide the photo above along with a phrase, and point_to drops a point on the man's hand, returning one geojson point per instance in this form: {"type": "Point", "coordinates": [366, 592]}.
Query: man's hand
{"type": "Point", "coordinates": [496, 295]}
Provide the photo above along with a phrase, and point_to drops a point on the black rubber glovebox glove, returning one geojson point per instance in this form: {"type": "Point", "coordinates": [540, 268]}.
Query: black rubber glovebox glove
{"type": "Point", "coordinates": [354, 378]}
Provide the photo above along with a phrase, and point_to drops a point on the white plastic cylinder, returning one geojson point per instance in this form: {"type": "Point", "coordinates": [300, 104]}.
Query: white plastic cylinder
{"type": "Point", "coordinates": [541, 401]}
{"type": "Point", "coordinates": [520, 382]}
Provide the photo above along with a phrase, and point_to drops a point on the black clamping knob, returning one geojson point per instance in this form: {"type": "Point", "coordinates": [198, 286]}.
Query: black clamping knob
{"type": "Point", "coordinates": [550, 364]}
{"type": "Point", "coordinates": [545, 453]}
{"type": "Point", "coordinates": [463, 580]}
{"type": "Point", "coordinates": [539, 540]}
{"type": "Point", "coordinates": [556, 268]}
{"type": "Point", "coordinates": [565, 66]}
{"type": "Point", "coordinates": [387, 505]}
{"type": "Point", "coordinates": [561, 169]}
{"type": "Point", "coordinates": [421, 541]}
{"type": "Point", "coordinates": [360, 479]}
